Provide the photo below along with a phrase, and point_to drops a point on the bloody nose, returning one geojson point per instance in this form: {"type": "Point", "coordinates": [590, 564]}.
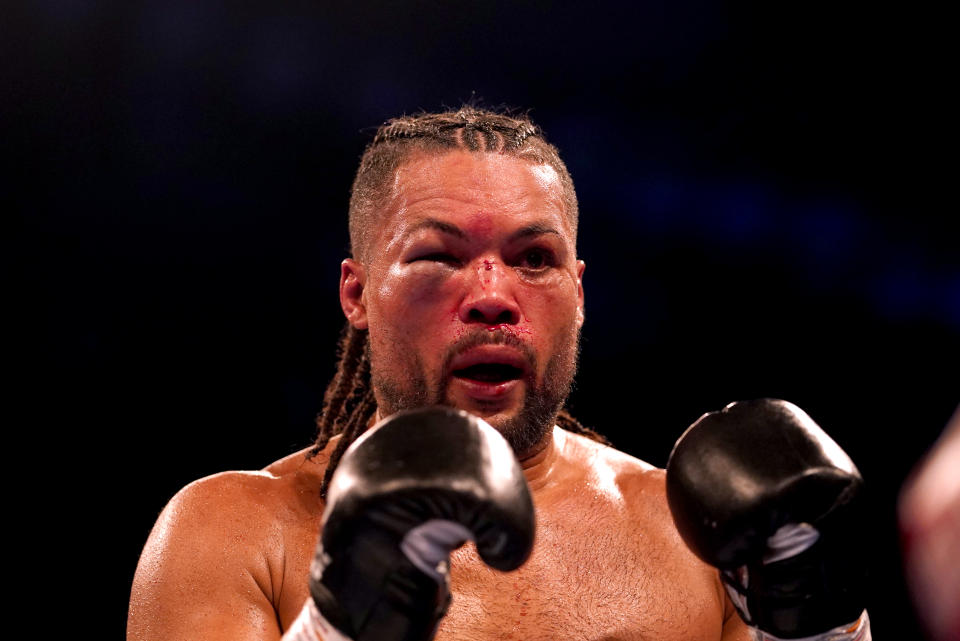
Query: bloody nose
{"type": "Point", "coordinates": [490, 300]}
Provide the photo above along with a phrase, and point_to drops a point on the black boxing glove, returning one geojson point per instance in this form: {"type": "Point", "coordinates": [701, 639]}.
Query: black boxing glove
{"type": "Point", "coordinates": [760, 492]}
{"type": "Point", "coordinates": [409, 491]}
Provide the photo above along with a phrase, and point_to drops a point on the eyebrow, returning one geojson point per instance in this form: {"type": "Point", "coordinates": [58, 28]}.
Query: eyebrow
{"type": "Point", "coordinates": [439, 225]}
{"type": "Point", "coordinates": [533, 229]}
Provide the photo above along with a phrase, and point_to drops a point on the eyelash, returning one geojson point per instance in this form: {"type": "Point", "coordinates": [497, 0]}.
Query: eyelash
{"type": "Point", "coordinates": [546, 255]}
{"type": "Point", "coordinates": [440, 257]}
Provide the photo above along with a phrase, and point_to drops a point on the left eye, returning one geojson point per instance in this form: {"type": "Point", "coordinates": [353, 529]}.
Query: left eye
{"type": "Point", "coordinates": [535, 259]}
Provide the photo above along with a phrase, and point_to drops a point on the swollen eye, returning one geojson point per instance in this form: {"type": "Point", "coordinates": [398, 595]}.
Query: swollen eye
{"type": "Point", "coordinates": [437, 257]}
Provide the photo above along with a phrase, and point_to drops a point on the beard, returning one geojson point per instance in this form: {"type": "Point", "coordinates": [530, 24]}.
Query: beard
{"type": "Point", "coordinates": [541, 402]}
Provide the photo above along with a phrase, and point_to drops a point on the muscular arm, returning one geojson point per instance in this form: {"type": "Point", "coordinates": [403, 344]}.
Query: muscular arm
{"type": "Point", "coordinates": [203, 573]}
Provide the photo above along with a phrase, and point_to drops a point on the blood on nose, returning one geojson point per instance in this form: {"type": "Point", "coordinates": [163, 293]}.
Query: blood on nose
{"type": "Point", "coordinates": [491, 303]}
{"type": "Point", "coordinates": [486, 266]}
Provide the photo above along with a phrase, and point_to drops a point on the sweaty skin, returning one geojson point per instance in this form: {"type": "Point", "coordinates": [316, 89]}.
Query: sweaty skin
{"type": "Point", "coordinates": [471, 244]}
{"type": "Point", "coordinates": [229, 559]}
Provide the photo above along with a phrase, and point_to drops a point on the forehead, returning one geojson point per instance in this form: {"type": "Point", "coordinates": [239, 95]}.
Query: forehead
{"type": "Point", "coordinates": [498, 188]}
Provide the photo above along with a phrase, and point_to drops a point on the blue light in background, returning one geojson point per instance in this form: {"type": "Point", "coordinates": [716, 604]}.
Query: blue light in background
{"type": "Point", "coordinates": [832, 246]}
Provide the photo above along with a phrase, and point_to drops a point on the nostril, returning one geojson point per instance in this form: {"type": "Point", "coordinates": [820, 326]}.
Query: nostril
{"type": "Point", "coordinates": [502, 316]}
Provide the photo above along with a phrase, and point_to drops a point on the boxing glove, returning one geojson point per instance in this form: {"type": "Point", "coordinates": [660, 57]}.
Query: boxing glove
{"type": "Point", "coordinates": [760, 492]}
{"type": "Point", "coordinates": [406, 493]}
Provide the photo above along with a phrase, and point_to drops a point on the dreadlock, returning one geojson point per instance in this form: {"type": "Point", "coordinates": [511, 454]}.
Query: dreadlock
{"type": "Point", "coordinates": [349, 403]}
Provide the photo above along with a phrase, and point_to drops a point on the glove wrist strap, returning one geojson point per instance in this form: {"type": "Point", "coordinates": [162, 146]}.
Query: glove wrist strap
{"type": "Point", "coordinates": [310, 625]}
{"type": "Point", "coordinates": [857, 631]}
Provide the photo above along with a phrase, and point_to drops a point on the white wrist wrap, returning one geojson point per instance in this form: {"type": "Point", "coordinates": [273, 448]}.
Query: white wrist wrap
{"type": "Point", "coordinates": [428, 547]}
{"type": "Point", "coordinates": [857, 631]}
{"type": "Point", "coordinates": [311, 626]}
{"type": "Point", "coordinates": [790, 540]}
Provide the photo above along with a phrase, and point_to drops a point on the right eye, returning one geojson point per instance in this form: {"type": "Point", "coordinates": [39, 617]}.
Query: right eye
{"type": "Point", "coordinates": [438, 257]}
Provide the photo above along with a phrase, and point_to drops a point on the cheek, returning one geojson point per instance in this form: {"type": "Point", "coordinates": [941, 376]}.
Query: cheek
{"type": "Point", "coordinates": [409, 300]}
{"type": "Point", "coordinates": [553, 301]}
{"type": "Point", "coordinates": [554, 336]}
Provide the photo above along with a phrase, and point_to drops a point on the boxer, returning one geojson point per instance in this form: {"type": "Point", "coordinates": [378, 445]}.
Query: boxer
{"type": "Point", "coordinates": [928, 513]}
{"type": "Point", "coordinates": [464, 291]}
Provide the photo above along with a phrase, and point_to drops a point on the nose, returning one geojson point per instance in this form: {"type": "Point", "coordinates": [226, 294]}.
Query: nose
{"type": "Point", "coordinates": [490, 298]}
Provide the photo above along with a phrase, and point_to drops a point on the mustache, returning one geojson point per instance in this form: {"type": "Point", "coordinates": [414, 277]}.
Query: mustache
{"type": "Point", "coordinates": [488, 337]}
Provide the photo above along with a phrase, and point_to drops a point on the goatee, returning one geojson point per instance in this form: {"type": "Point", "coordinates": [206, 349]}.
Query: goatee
{"type": "Point", "coordinates": [541, 403]}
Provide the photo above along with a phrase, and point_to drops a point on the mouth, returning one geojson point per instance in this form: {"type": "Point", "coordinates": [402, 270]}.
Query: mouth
{"type": "Point", "coordinates": [491, 373]}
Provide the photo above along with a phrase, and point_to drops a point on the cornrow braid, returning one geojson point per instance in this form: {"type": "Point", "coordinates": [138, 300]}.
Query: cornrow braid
{"type": "Point", "coordinates": [467, 129]}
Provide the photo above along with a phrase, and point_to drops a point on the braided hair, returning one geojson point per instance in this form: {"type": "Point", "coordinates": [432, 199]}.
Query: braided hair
{"type": "Point", "coordinates": [349, 403]}
{"type": "Point", "coordinates": [467, 129]}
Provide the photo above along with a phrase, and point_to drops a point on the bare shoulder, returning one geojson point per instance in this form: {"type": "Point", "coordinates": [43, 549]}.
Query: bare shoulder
{"type": "Point", "coordinates": [621, 502]}
{"type": "Point", "coordinates": [229, 513]}
{"type": "Point", "coordinates": [636, 488]}
{"type": "Point", "coordinates": [222, 499]}
{"type": "Point", "coordinates": [218, 547]}
{"type": "Point", "coordinates": [646, 537]}
{"type": "Point", "coordinates": [630, 474]}
{"type": "Point", "coordinates": [230, 503]}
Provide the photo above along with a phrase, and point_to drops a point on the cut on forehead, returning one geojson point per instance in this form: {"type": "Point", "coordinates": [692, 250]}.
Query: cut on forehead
{"type": "Point", "coordinates": [402, 140]}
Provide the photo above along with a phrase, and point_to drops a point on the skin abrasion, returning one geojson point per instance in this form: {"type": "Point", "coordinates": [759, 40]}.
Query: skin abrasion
{"type": "Point", "coordinates": [463, 288]}
{"type": "Point", "coordinates": [508, 274]}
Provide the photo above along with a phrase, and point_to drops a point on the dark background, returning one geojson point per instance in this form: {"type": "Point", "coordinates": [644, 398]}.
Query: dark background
{"type": "Point", "coordinates": [763, 213]}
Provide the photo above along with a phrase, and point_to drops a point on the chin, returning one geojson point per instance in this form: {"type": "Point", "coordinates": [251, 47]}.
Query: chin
{"type": "Point", "coordinates": [523, 429]}
{"type": "Point", "coordinates": [499, 414]}
{"type": "Point", "coordinates": [501, 421]}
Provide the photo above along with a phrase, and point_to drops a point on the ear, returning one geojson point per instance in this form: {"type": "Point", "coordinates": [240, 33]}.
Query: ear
{"type": "Point", "coordinates": [353, 277]}
{"type": "Point", "coordinates": [581, 266]}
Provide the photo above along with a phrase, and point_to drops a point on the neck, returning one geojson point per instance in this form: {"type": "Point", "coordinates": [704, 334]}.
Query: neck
{"type": "Point", "coordinates": [539, 461]}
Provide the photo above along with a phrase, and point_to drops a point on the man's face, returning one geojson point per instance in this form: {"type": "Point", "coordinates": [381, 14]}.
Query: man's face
{"type": "Point", "coordinates": [472, 292]}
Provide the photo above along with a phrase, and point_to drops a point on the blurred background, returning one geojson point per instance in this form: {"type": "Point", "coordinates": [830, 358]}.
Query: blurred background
{"type": "Point", "coordinates": [764, 212]}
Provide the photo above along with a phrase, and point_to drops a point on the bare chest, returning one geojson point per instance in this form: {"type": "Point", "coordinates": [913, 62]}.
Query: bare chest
{"type": "Point", "coordinates": [595, 586]}
{"type": "Point", "coordinates": [585, 581]}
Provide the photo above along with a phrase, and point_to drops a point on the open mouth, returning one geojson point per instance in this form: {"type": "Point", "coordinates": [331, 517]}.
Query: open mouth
{"type": "Point", "coordinates": [489, 372]}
